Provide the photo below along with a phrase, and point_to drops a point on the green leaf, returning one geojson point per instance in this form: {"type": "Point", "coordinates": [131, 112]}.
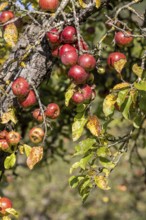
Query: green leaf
{"type": "Point", "coordinates": [103, 151]}
{"type": "Point", "coordinates": [74, 166]}
{"type": "Point", "coordinates": [80, 108]}
{"type": "Point", "coordinates": [108, 104]}
{"type": "Point", "coordinates": [27, 149]}
{"type": "Point", "coordinates": [106, 163]}
{"type": "Point", "coordinates": [84, 146]}
{"type": "Point", "coordinates": [127, 108]}
{"type": "Point", "coordinates": [140, 85]}
{"type": "Point", "coordinates": [75, 180]}
{"type": "Point", "coordinates": [69, 94]}
{"type": "Point", "coordinates": [12, 212]}
{"type": "Point", "coordinates": [85, 160]}
{"type": "Point", "coordinates": [6, 218]}
{"type": "Point", "coordinates": [10, 161]}
{"type": "Point", "coordinates": [101, 182]}
{"type": "Point", "coordinates": [137, 121]}
{"type": "Point", "coordinates": [78, 127]}
{"type": "Point", "coordinates": [85, 185]}
{"type": "Point", "coordinates": [137, 70]}
{"type": "Point", "coordinates": [142, 101]}
{"type": "Point", "coordinates": [122, 96]}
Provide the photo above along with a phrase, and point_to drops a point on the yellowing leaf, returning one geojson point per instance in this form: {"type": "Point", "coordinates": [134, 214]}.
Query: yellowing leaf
{"type": "Point", "coordinates": [121, 86]}
{"type": "Point", "coordinates": [108, 104]}
{"type": "Point", "coordinates": [11, 35]}
{"type": "Point", "coordinates": [69, 93]}
{"type": "Point", "coordinates": [36, 154]}
{"type": "Point", "coordinates": [83, 4]}
{"type": "Point", "coordinates": [78, 127]}
{"type": "Point", "coordinates": [93, 125]}
{"type": "Point", "coordinates": [98, 3]}
{"type": "Point", "coordinates": [137, 70]}
{"type": "Point", "coordinates": [12, 212]}
{"type": "Point", "coordinates": [3, 6]}
{"type": "Point", "coordinates": [119, 65]}
{"type": "Point", "coordinates": [9, 116]}
{"type": "Point", "coordinates": [101, 182]}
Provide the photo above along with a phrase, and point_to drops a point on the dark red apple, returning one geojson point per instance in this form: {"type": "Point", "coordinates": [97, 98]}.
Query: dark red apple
{"type": "Point", "coordinates": [52, 111]}
{"type": "Point", "coordinates": [69, 58]}
{"type": "Point", "coordinates": [114, 57]}
{"type": "Point", "coordinates": [6, 16]}
{"type": "Point", "coordinates": [68, 35]}
{"type": "Point", "coordinates": [78, 74]}
{"type": "Point", "coordinates": [87, 61]}
{"type": "Point", "coordinates": [29, 101]}
{"type": "Point", "coordinates": [83, 44]}
{"type": "Point", "coordinates": [87, 92]}
{"type": "Point", "coordinates": [20, 87]}
{"type": "Point", "coordinates": [77, 98]}
{"type": "Point", "coordinates": [53, 36]}
{"type": "Point", "coordinates": [66, 48]}
{"type": "Point", "coordinates": [55, 52]}
{"type": "Point", "coordinates": [49, 5]}
{"type": "Point", "coordinates": [121, 39]}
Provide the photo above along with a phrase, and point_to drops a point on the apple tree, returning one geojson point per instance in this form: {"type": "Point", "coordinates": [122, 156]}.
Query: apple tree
{"type": "Point", "coordinates": [68, 69]}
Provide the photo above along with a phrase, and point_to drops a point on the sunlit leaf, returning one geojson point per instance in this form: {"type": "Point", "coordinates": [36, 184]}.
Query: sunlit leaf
{"type": "Point", "coordinates": [108, 104]}
{"type": "Point", "coordinates": [121, 86]}
{"type": "Point", "coordinates": [78, 127]}
{"type": "Point", "coordinates": [122, 95]}
{"type": "Point", "coordinates": [106, 163]}
{"type": "Point", "coordinates": [103, 151]}
{"type": "Point", "coordinates": [101, 182]}
{"type": "Point", "coordinates": [36, 154]}
{"type": "Point", "coordinates": [11, 35]}
{"type": "Point", "coordinates": [127, 106]}
{"type": "Point", "coordinates": [3, 5]}
{"type": "Point", "coordinates": [12, 212]}
{"type": "Point", "coordinates": [69, 94]}
{"type": "Point", "coordinates": [10, 161]}
{"type": "Point", "coordinates": [84, 146]}
{"type": "Point", "coordinates": [98, 3]}
{"type": "Point", "coordinates": [93, 125]}
{"type": "Point", "coordinates": [119, 65]}
{"type": "Point", "coordinates": [137, 70]}
{"type": "Point", "coordinates": [9, 116]}
{"type": "Point", "coordinates": [83, 4]}
{"type": "Point", "coordinates": [140, 85]}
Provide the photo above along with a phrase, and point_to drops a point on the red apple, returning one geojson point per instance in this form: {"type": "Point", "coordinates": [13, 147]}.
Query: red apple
{"type": "Point", "coordinates": [66, 48]}
{"type": "Point", "coordinates": [13, 138]}
{"type": "Point", "coordinates": [4, 145]}
{"type": "Point", "coordinates": [36, 135]}
{"type": "Point", "coordinates": [68, 35]}
{"type": "Point", "coordinates": [83, 44]}
{"type": "Point", "coordinates": [53, 36]}
{"type": "Point", "coordinates": [69, 58]}
{"type": "Point", "coordinates": [52, 111]}
{"type": "Point", "coordinates": [5, 203]}
{"type": "Point", "coordinates": [6, 16]}
{"type": "Point", "coordinates": [87, 61]}
{"type": "Point", "coordinates": [87, 92]}
{"type": "Point", "coordinates": [20, 87]}
{"type": "Point", "coordinates": [121, 39]}
{"type": "Point", "coordinates": [78, 74]}
{"type": "Point", "coordinates": [55, 52]}
{"type": "Point", "coordinates": [49, 5]}
{"type": "Point", "coordinates": [77, 98]}
{"type": "Point", "coordinates": [29, 101]}
{"type": "Point", "coordinates": [3, 134]}
{"type": "Point", "coordinates": [37, 115]}
{"type": "Point", "coordinates": [114, 57]}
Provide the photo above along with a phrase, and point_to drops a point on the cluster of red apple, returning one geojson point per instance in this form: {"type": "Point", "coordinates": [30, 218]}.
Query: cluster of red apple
{"type": "Point", "coordinates": [121, 39]}
{"type": "Point", "coordinates": [8, 139]}
{"type": "Point", "coordinates": [65, 46]}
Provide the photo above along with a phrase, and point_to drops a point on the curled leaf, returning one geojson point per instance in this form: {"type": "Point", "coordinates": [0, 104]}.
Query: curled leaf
{"type": "Point", "coordinates": [101, 182]}
{"type": "Point", "coordinates": [36, 154]}
{"type": "Point", "coordinates": [108, 104]}
{"type": "Point", "coordinates": [11, 34]}
{"type": "Point", "coordinates": [93, 125]}
{"type": "Point", "coordinates": [137, 70]}
{"type": "Point", "coordinates": [121, 86]}
{"type": "Point", "coordinates": [119, 65]}
{"type": "Point", "coordinates": [9, 116]}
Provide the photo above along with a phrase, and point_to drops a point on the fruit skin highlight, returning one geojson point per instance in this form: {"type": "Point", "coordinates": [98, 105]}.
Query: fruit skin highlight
{"type": "Point", "coordinates": [78, 74]}
{"type": "Point", "coordinates": [49, 5]}
{"type": "Point", "coordinates": [20, 87]}
{"type": "Point", "coordinates": [52, 111]}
